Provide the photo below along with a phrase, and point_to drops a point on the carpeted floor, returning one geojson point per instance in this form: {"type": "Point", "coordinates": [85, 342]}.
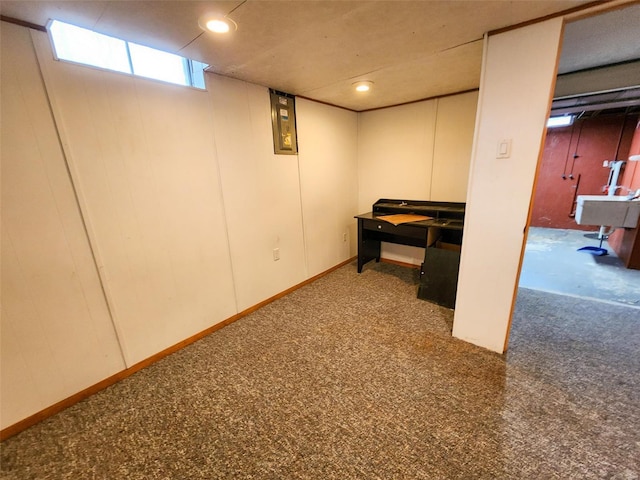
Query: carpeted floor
{"type": "Point", "coordinates": [352, 377]}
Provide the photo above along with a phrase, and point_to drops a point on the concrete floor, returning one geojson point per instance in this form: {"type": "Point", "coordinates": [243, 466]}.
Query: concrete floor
{"type": "Point", "coordinates": [553, 263]}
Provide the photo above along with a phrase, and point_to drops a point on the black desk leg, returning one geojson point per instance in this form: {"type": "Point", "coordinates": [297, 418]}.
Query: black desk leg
{"type": "Point", "coordinates": [368, 247]}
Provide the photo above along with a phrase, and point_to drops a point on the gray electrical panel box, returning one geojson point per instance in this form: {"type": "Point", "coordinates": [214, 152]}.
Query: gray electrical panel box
{"type": "Point", "coordinates": [283, 122]}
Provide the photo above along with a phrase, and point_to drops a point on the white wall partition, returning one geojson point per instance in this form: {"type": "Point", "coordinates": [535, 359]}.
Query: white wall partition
{"type": "Point", "coordinates": [142, 157]}
{"type": "Point", "coordinates": [57, 335]}
{"type": "Point", "coordinates": [518, 75]}
{"type": "Point", "coordinates": [328, 176]}
{"type": "Point", "coordinates": [261, 193]}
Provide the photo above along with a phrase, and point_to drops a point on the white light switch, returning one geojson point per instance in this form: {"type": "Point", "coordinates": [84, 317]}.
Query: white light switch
{"type": "Point", "coordinates": [504, 148]}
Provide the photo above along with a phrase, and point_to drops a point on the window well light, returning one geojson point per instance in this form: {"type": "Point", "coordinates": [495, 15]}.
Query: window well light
{"type": "Point", "coordinates": [561, 121]}
{"type": "Point", "coordinates": [86, 47]}
{"type": "Point", "coordinates": [217, 24]}
{"type": "Point", "coordinates": [363, 86]}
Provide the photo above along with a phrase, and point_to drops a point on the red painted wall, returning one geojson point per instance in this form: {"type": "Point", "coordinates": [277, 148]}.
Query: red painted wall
{"type": "Point", "coordinates": [626, 241]}
{"type": "Point", "coordinates": [631, 177]}
{"type": "Point", "coordinates": [561, 177]}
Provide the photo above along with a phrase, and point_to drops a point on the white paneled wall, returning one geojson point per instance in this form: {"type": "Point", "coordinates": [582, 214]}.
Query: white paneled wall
{"type": "Point", "coordinates": [142, 155]}
{"type": "Point", "coordinates": [452, 150]}
{"type": "Point", "coordinates": [261, 193]}
{"type": "Point", "coordinates": [419, 151]}
{"type": "Point", "coordinates": [57, 335]}
{"type": "Point", "coordinates": [156, 211]}
{"type": "Point", "coordinates": [328, 176]}
{"type": "Point", "coordinates": [395, 153]}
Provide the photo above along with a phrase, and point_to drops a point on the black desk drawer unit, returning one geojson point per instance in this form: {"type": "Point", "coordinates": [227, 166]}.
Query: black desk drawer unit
{"type": "Point", "coordinates": [388, 229]}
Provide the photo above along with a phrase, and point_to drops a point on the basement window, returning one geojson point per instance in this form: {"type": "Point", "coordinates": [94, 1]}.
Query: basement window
{"type": "Point", "coordinates": [86, 47]}
{"type": "Point", "coordinates": [561, 121]}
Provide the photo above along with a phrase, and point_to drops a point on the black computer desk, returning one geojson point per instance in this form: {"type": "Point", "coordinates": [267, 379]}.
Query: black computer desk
{"type": "Point", "coordinates": [440, 236]}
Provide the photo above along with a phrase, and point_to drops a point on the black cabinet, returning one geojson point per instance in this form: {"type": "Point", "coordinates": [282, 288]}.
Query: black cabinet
{"type": "Point", "coordinates": [439, 276]}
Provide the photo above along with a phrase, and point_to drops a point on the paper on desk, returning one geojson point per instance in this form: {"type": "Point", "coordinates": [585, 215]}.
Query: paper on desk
{"type": "Point", "coordinates": [403, 218]}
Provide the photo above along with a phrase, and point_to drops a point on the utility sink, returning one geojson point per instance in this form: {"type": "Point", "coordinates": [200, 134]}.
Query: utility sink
{"type": "Point", "coordinates": [606, 210]}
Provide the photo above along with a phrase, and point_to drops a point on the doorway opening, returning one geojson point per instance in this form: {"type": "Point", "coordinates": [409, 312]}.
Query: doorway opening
{"type": "Point", "coordinates": [597, 89]}
{"type": "Point", "coordinates": [566, 251]}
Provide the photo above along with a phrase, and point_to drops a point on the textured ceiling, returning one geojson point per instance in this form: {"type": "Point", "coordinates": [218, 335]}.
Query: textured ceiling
{"type": "Point", "coordinates": [410, 49]}
{"type": "Point", "coordinates": [604, 39]}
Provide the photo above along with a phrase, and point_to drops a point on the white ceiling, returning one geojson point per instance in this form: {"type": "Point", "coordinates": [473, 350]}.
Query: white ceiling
{"type": "Point", "coordinates": [410, 49]}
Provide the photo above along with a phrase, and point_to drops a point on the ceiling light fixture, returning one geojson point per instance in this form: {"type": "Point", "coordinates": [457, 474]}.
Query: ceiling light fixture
{"type": "Point", "coordinates": [363, 86]}
{"type": "Point", "coordinates": [217, 23]}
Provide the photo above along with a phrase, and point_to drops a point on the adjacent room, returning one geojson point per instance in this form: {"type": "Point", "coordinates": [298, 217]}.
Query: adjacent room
{"type": "Point", "coordinates": [567, 250]}
{"type": "Point", "coordinates": [186, 288]}
{"type": "Point", "coordinates": [589, 154]}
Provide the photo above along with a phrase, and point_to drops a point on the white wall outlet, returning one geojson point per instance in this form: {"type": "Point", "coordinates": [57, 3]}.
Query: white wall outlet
{"type": "Point", "coordinates": [344, 237]}
{"type": "Point", "coordinates": [276, 254]}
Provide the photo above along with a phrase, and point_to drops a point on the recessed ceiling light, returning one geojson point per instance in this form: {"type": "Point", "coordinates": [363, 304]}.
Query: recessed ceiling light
{"type": "Point", "coordinates": [217, 26]}
{"type": "Point", "coordinates": [363, 86]}
{"type": "Point", "coordinates": [217, 23]}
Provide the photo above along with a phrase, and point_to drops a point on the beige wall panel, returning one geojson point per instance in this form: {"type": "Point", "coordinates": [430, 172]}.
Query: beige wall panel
{"type": "Point", "coordinates": [518, 69]}
{"type": "Point", "coordinates": [452, 151]}
{"type": "Point", "coordinates": [395, 153]}
{"type": "Point", "coordinates": [328, 174]}
{"type": "Point", "coordinates": [395, 160]}
{"type": "Point", "coordinates": [261, 193]}
{"type": "Point", "coordinates": [57, 334]}
{"type": "Point", "coordinates": [142, 155]}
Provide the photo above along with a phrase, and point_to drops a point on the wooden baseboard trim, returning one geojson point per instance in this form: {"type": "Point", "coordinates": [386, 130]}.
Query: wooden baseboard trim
{"type": "Point", "coordinates": [396, 262]}
{"type": "Point", "coordinates": [87, 392]}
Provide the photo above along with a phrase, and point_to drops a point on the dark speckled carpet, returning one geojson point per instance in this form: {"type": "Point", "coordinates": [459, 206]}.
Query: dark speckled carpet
{"type": "Point", "coordinates": [354, 377]}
